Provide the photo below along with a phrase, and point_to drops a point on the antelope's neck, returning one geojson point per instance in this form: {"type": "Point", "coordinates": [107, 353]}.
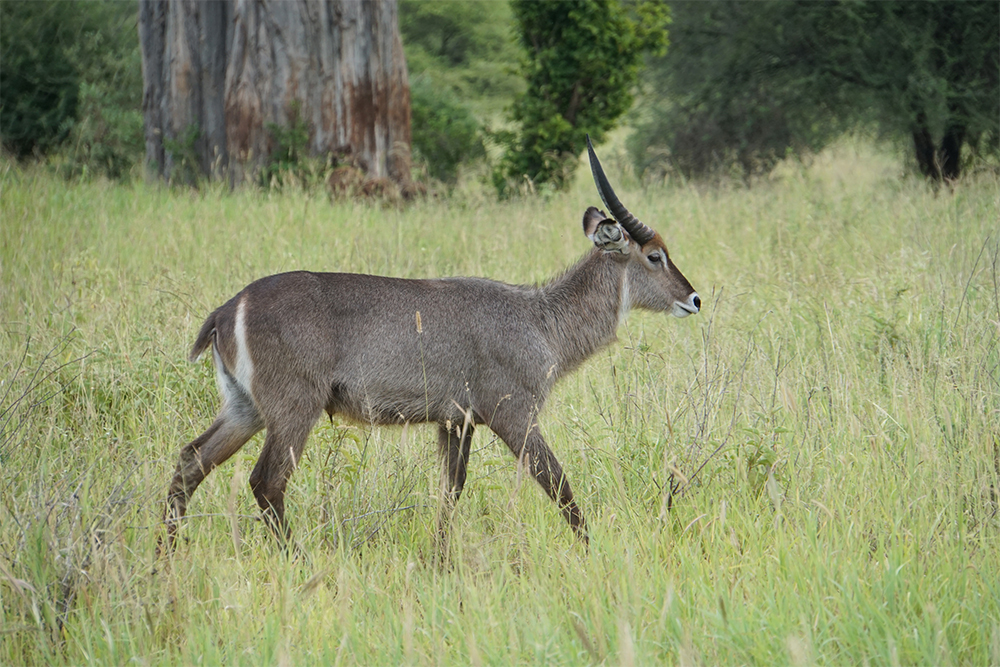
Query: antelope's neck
{"type": "Point", "coordinates": [583, 307]}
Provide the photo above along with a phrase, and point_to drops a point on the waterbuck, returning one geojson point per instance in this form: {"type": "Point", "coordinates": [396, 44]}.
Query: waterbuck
{"type": "Point", "coordinates": [459, 352]}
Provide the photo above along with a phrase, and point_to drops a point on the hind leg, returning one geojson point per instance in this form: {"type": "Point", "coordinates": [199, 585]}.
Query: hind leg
{"type": "Point", "coordinates": [237, 422]}
{"type": "Point", "coordinates": [283, 446]}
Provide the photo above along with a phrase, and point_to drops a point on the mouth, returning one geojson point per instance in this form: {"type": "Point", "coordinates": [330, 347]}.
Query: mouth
{"type": "Point", "coordinates": [682, 309]}
{"type": "Point", "coordinates": [689, 307]}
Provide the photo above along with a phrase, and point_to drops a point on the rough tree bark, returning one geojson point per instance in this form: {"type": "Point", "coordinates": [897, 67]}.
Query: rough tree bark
{"type": "Point", "coordinates": [218, 73]}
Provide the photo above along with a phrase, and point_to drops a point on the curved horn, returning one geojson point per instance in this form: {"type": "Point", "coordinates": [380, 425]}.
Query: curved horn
{"type": "Point", "coordinates": [640, 232]}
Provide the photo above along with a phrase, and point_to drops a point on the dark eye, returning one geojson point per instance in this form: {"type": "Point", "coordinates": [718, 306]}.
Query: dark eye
{"type": "Point", "coordinates": [655, 258]}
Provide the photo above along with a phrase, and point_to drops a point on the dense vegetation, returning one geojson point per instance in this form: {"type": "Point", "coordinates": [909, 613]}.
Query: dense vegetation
{"type": "Point", "coordinates": [71, 85]}
{"type": "Point", "coordinates": [516, 87]}
{"type": "Point", "coordinates": [581, 62]}
{"type": "Point", "coordinates": [465, 49]}
{"type": "Point", "coordinates": [807, 472]}
{"type": "Point", "coordinates": [460, 57]}
{"type": "Point", "coordinates": [746, 84]}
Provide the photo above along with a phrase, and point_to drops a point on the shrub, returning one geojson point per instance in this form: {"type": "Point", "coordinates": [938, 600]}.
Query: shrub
{"type": "Point", "coordinates": [445, 133]}
{"type": "Point", "coordinates": [39, 83]}
{"type": "Point", "coordinates": [581, 62]}
{"type": "Point", "coordinates": [71, 85]}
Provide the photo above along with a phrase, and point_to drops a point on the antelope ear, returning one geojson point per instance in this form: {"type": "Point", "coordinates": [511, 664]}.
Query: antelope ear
{"type": "Point", "coordinates": [591, 219]}
{"type": "Point", "coordinates": [610, 237]}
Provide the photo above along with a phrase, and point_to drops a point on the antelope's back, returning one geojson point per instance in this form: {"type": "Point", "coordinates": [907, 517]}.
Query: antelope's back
{"type": "Point", "coordinates": [388, 349]}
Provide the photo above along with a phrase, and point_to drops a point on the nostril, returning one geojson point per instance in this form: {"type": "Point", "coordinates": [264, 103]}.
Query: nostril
{"type": "Point", "coordinates": [697, 302]}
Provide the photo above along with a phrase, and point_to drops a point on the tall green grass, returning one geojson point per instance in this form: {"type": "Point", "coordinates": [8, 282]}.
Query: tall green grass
{"type": "Point", "coordinates": [807, 472]}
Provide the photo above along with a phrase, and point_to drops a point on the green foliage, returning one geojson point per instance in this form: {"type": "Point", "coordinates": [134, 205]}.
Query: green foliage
{"type": "Point", "coordinates": [445, 133]}
{"type": "Point", "coordinates": [456, 33]}
{"type": "Point", "coordinates": [107, 137]}
{"type": "Point", "coordinates": [747, 83]}
{"type": "Point", "coordinates": [289, 155]}
{"type": "Point", "coordinates": [39, 83]}
{"type": "Point", "coordinates": [71, 84]}
{"type": "Point", "coordinates": [466, 48]}
{"type": "Point", "coordinates": [737, 90]}
{"type": "Point", "coordinates": [582, 61]}
{"type": "Point", "coordinates": [461, 58]}
{"type": "Point", "coordinates": [184, 152]}
{"type": "Point", "coordinates": [932, 73]}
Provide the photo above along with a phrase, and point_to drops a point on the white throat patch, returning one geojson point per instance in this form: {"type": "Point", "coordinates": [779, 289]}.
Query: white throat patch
{"type": "Point", "coordinates": [626, 299]}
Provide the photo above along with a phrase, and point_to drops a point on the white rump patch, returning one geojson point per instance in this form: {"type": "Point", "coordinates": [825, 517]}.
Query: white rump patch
{"type": "Point", "coordinates": [225, 383]}
{"type": "Point", "coordinates": [244, 364]}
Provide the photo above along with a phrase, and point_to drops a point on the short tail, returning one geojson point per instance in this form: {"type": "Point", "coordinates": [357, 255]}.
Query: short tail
{"type": "Point", "coordinates": [205, 337]}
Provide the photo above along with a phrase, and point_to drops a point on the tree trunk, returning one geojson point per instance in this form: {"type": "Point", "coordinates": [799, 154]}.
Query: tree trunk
{"type": "Point", "coordinates": [939, 163]}
{"type": "Point", "coordinates": [923, 142]}
{"type": "Point", "coordinates": [220, 74]}
{"type": "Point", "coordinates": [951, 151]}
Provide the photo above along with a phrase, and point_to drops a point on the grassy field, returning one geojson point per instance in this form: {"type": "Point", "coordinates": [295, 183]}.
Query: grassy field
{"type": "Point", "coordinates": [805, 473]}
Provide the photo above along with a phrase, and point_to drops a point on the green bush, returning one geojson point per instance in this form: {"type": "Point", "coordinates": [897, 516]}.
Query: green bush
{"type": "Point", "coordinates": [582, 61]}
{"type": "Point", "coordinates": [466, 48]}
{"type": "Point", "coordinates": [71, 85]}
{"type": "Point", "coordinates": [287, 161]}
{"type": "Point", "coordinates": [107, 137]}
{"type": "Point", "coordinates": [445, 133]}
{"type": "Point", "coordinates": [39, 84]}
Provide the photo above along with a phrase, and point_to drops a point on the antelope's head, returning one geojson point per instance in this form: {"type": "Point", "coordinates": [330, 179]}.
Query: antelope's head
{"type": "Point", "coordinates": [653, 281]}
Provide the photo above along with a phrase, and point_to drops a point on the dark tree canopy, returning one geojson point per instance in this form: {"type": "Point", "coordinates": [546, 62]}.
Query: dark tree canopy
{"type": "Point", "coordinates": [39, 83]}
{"type": "Point", "coordinates": [746, 83]}
{"type": "Point", "coordinates": [582, 61]}
{"type": "Point", "coordinates": [931, 69]}
{"type": "Point", "coordinates": [70, 84]}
